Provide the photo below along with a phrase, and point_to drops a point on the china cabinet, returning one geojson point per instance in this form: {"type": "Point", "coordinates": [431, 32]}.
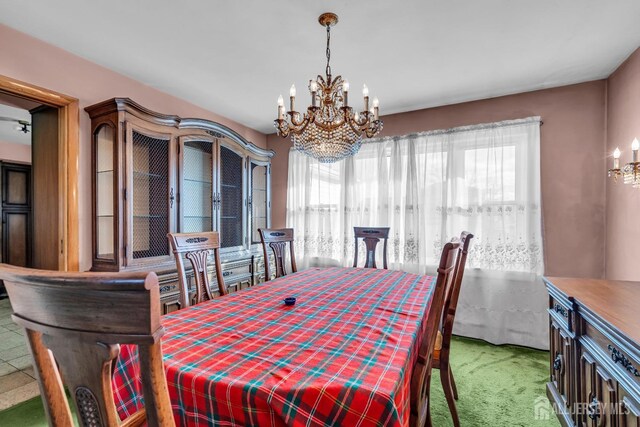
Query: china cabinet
{"type": "Point", "coordinates": [155, 173]}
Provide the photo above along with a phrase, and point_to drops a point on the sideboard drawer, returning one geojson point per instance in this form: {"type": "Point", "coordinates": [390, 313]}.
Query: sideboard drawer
{"type": "Point", "coordinates": [621, 360]}
{"type": "Point", "coordinates": [560, 309]}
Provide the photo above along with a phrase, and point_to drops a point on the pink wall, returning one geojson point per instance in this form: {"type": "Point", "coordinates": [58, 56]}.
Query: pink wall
{"type": "Point", "coordinates": [36, 62]}
{"type": "Point", "coordinates": [12, 152]}
{"type": "Point", "coordinates": [572, 162]}
{"type": "Point", "coordinates": [623, 201]}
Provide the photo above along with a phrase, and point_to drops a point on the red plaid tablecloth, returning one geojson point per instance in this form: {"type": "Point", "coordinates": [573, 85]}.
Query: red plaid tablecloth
{"type": "Point", "coordinates": [341, 356]}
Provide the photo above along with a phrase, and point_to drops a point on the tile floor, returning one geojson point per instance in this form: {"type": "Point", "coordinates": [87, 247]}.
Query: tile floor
{"type": "Point", "coordinates": [17, 379]}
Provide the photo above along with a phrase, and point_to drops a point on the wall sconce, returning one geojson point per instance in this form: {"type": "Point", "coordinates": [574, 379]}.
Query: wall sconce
{"type": "Point", "coordinates": [631, 171]}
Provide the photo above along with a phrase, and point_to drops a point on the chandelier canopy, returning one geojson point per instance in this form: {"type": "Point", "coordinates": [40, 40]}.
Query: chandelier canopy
{"type": "Point", "coordinates": [330, 129]}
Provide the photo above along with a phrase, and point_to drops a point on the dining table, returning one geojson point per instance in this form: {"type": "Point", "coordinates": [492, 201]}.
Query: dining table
{"type": "Point", "coordinates": [342, 355]}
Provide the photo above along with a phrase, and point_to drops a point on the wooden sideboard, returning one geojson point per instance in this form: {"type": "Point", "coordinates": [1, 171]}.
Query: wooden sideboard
{"type": "Point", "coordinates": [594, 331]}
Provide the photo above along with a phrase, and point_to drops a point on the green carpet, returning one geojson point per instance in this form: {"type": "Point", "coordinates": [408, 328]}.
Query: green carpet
{"type": "Point", "coordinates": [497, 385]}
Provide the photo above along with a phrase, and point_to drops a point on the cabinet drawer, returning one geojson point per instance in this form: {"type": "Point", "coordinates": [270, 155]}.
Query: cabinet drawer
{"type": "Point", "coordinates": [560, 309]}
{"type": "Point", "coordinates": [620, 359]}
{"type": "Point", "coordinates": [233, 270]}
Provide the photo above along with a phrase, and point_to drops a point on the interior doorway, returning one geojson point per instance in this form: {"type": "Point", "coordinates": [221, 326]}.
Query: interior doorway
{"type": "Point", "coordinates": [55, 226]}
{"type": "Point", "coordinates": [16, 182]}
{"type": "Point", "coordinates": [38, 208]}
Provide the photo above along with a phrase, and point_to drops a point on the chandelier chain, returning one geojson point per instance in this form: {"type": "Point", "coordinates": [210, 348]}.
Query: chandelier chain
{"type": "Point", "coordinates": [328, 70]}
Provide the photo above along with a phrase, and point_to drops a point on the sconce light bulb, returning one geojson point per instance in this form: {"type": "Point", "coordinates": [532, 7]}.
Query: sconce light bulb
{"type": "Point", "coordinates": [616, 153]}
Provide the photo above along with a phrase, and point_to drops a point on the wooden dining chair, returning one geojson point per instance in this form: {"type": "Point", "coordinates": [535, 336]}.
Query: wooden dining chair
{"type": "Point", "coordinates": [197, 248]}
{"type": "Point", "coordinates": [75, 323]}
{"type": "Point", "coordinates": [442, 348]}
{"type": "Point", "coordinates": [371, 237]}
{"type": "Point", "coordinates": [277, 240]}
{"type": "Point", "coordinates": [421, 376]}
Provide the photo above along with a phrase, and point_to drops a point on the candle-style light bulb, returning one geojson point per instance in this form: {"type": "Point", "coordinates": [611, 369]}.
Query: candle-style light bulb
{"type": "Point", "coordinates": [375, 109]}
{"type": "Point", "coordinates": [280, 107]}
{"type": "Point", "coordinates": [635, 145]}
{"type": "Point", "coordinates": [313, 87]}
{"type": "Point", "coordinates": [365, 93]}
{"type": "Point", "coordinates": [616, 158]}
{"type": "Point", "coordinates": [292, 98]}
{"type": "Point", "coordinates": [356, 117]}
{"type": "Point", "coordinates": [345, 93]}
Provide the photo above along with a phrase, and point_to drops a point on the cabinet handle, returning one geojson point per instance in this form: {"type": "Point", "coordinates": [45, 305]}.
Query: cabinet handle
{"type": "Point", "coordinates": [557, 362]}
{"type": "Point", "coordinates": [593, 410]}
{"type": "Point", "coordinates": [618, 357]}
{"type": "Point", "coordinates": [172, 197]}
{"type": "Point", "coordinates": [560, 309]}
{"type": "Point", "coordinates": [227, 273]}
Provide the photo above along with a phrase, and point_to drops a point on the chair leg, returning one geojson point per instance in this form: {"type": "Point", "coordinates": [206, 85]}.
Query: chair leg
{"type": "Point", "coordinates": [428, 422]}
{"type": "Point", "coordinates": [453, 384]}
{"type": "Point", "coordinates": [448, 392]}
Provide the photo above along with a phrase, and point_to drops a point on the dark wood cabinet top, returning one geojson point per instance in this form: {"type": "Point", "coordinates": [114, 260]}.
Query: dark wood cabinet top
{"type": "Point", "coordinates": [617, 302]}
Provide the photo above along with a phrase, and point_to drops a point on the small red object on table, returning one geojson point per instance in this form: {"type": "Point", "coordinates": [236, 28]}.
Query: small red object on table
{"type": "Point", "coordinates": [342, 356]}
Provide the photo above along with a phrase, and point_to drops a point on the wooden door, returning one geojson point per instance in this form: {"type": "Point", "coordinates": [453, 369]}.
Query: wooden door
{"type": "Point", "coordinates": [150, 195]}
{"type": "Point", "coordinates": [561, 351]}
{"type": "Point", "coordinates": [16, 214]}
{"type": "Point", "coordinates": [196, 197]}
{"type": "Point", "coordinates": [232, 198]}
{"type": "Point", "coordinates": [599, 393]}
{"type": "Point", "coordinates": [48, 221]}
{"type": "Point", "coordinates": [629, 409]}
{"type": "Point", "coordinates": [259, 198]}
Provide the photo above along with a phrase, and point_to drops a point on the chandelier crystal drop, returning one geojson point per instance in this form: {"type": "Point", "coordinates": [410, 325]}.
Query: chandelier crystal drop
{"type": "Point", "coordinates": [330, 129]}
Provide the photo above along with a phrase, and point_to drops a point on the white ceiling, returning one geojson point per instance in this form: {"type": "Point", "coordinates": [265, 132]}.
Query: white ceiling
{"type": "Point", "coordinates": [8, 131]}
{"type": "Point", "coordinates": [236, 57]}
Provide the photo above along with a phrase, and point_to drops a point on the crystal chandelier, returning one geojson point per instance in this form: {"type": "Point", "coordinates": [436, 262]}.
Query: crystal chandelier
{"type": "Point", "coordinates": [330, 129]}
{"type": "Point", "coordinates": [631, 171]}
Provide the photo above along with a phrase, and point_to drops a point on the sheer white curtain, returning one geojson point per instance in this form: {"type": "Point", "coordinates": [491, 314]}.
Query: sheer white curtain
{"type": "Point", "coordinates": [428, 187]}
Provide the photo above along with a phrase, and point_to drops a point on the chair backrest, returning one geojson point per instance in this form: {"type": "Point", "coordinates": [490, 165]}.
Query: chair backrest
{"type": "Point", "coordinates": [371, 237]}
{"type": "Point", "coordinates": [277, 240]}
{"type": "Point", "coordinates": [75, 323]}
{"type": "Point", "coordinates": [197, 247]}
{"type": "Point", "coordinates": [452, 296]}
{"type": "Point", "coordinates": [421, 376]}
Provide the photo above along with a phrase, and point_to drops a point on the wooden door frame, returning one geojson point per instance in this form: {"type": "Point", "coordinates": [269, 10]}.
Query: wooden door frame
{"type": "Point", "coordinates": [68, 140]}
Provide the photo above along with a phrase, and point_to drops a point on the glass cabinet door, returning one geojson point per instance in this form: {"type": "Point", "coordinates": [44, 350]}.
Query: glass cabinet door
{"type": "Point", "coordinates": [196, 194]}
{"type": "Point", "coordinates": [105, 184]}
{"type": "Point", "coordinates": [151, 197]}
{"type": "Point", "coordinates": [231, 198]}
{"type": "Point", "coordinates": [258, 198]}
